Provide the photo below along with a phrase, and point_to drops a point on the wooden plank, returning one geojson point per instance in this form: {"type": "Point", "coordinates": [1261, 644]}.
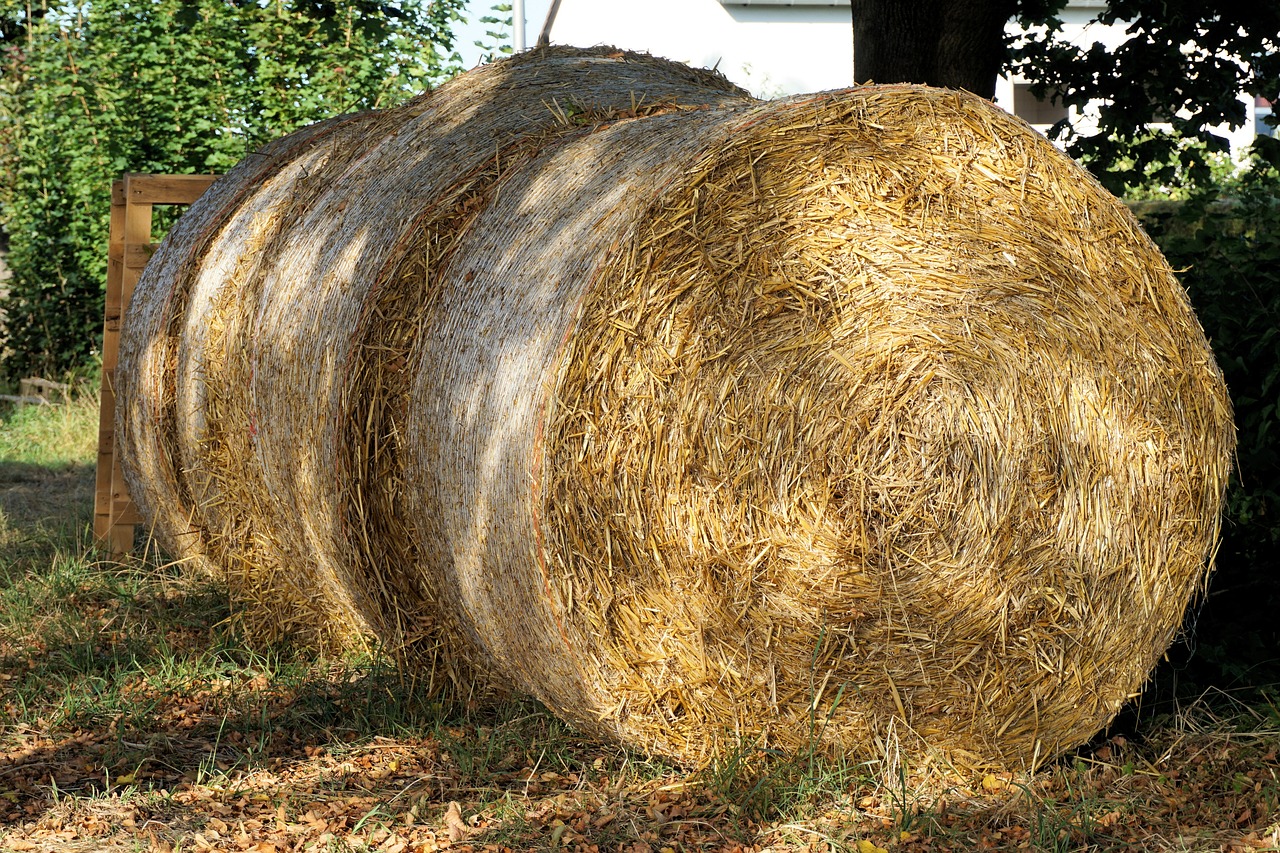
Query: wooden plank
{"type": "Point", "coordinates": [120, 539]}
{"type": "Point", "coordinates": [104, 485]}
{"type": "Point", "coordinates": [134, 230]}
{"type": "Point", "coordinates": [164, 189]}
{"type": "Point", "coordinates": [129, 248]}
{"type": "Point", "coordinates": [136, 255]}
{"type": "Point", "coordinates": [123, 509]}
{"type": "Point", "coordinates": [125, 512]}
{"type": "Point", "coordinates": [107, 399]}
{"type": "Point", "coordinates": [137, 238]}
{"type": "Point", "coordinates": [112, 306]}
{"type": "Point", "coordinates": [106, 457]}
{"type": "Point", "coordinates": [102, 500]}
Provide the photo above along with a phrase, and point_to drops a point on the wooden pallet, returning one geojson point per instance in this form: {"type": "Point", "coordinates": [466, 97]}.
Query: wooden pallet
{"type": "Point", "coordinates": [129, 248]}
{"type": "Point", "coordinates": [35, 391]}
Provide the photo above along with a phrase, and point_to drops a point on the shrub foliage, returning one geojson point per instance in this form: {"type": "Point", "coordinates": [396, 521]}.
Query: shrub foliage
{"type": "Point", "coordinates": [1226, 245]}
{"type": "Point", "coordinates": [94, 89]}
{"type": "Point", "coordinates": [1161, 98]}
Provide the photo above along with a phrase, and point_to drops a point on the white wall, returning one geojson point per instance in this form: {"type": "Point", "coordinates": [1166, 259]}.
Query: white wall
{"type": "Point", "coordinates": [769, 50]}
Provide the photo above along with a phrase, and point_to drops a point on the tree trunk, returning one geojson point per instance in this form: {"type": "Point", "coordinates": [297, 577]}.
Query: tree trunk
{"type": "Point", "coordinates": [958, 44]}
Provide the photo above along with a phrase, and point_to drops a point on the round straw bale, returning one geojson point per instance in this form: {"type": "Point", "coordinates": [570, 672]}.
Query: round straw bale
{"type": "Point", "coordinates": [146, 384]}
{"type": "Point", "coordinates": [842, 418]}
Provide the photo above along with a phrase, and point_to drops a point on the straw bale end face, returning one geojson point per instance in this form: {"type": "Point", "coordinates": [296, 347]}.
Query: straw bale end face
{"type": "Point", "coordinates": [889, 420]}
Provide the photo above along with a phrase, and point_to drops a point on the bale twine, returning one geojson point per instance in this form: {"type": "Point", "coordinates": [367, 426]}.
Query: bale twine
{"type": "Point", "coordinates": [842, 418]}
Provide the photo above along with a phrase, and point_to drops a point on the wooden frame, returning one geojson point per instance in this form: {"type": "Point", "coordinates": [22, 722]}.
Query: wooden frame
{"type": "Point", "coordinates": [129, 248]}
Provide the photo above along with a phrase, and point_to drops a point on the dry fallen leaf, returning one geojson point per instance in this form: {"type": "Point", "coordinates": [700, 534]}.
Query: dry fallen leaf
{"type": "Point", "coordinates": [454, 824]}
{"type": "Point", "coordinates": [993, 783]}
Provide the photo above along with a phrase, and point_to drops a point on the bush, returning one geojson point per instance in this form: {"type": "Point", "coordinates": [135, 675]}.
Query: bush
{"type": "Point", "coordinates": [1226, 245]}
{"type": "Point", "coordinates": [91, 90]}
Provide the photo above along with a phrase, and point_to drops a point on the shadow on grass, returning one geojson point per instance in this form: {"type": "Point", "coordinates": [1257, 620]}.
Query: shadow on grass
{"type": "Point", "coordinates": [42, 507]}
{"type": "Point", "coordinates": [198, 731]}
{"type": "Point", "coordinates": [130, 676]}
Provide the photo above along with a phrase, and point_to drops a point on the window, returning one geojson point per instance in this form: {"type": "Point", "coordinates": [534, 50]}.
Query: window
{"type": "Point", "coordinates": [1034, 111]}
{"type": "Point", "coordinates": [1262, 108]}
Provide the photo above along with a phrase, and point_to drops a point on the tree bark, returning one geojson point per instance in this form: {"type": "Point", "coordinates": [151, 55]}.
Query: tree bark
{"type": "Point", "coordinates": [957, 44]}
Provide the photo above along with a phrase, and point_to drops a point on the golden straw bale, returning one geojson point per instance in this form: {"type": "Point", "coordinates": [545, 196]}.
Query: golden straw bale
{"type": "Point", "coordinates": [843, 418]}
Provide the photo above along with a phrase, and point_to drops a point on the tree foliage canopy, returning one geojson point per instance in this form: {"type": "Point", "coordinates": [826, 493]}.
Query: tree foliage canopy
{"type": "Point", "coordinates": [1182, 68]}
{"type": "Point", "coordinates": [94, 89]}
{"type": "Point", "coordinates": [1227, 247]}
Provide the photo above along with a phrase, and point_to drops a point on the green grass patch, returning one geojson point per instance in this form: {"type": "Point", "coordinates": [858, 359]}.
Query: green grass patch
{"type": "Point", "coordinates": [46, 482]}
{"type": "Point", "coordinates": [51, 436]}
{"type": "Point", "coordinates": [140, 659]}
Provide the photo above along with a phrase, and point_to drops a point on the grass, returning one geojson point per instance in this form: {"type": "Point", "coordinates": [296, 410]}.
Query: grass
{"type": "Point", "coordinates": [133, 716]}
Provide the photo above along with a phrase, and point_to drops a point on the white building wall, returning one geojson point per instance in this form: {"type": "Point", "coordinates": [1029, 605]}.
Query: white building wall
{"type": "Point", "coordinates": [770, 50]}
